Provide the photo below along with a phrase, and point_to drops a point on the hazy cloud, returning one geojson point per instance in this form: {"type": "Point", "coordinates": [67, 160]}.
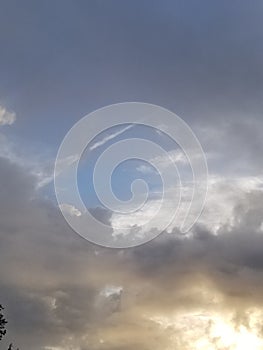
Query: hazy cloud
{"type": "Point", "coordinates": [6, 117]}
{"type": "Point", "coordinates": [63, 292]}
{"type": "Point", "coordinates": [204, 61]}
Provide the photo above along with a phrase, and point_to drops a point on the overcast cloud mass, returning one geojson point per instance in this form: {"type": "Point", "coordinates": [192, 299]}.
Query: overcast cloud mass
{"type": "Point", "coordinates": [202, 60]}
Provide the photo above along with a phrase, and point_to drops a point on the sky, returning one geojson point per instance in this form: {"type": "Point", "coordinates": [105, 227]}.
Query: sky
{"type": "Point", "coordinates": [60, 61]}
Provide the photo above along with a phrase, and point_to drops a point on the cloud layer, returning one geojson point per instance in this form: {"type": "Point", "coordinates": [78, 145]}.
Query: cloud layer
{"type": "Point", "coordinates": [202, 60]}
{"type": "Point", "coordinates": [63, 293]}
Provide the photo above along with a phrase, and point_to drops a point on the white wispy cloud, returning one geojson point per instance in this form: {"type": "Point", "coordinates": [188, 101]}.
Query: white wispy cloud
{"type": "Point", "coordinates": [146, 169]}
{"type": "Point", "coordinates": [70, 209]}
{"type": "Point", "coordinates": [6, 117]}
{"type": "Point", "coordinates": [223, 196]}
{"type": "Point", "coordinates": [110, 137]}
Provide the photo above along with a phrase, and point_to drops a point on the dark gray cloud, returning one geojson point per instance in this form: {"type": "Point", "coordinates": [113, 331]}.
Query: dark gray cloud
{"type": "Point", "coordinates": [59, 61]}
{"type": "Point", "coordinates": [61, 291]}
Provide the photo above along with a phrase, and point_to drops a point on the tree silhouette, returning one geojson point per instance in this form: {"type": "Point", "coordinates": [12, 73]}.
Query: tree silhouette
{"type": "Point", "coordinates": [3, 323]}
{"type": "Point", "coordinates": [11, 347]}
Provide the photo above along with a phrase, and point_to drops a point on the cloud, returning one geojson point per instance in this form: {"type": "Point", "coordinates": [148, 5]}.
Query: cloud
{"type": "Point", "coordinates": [70, 209]}
{"type": "Point", "coordinates": [6, 117]}
{"type": "Point", "coordinates": [110, 137]}
{"type": "Point", "coordinates": [203, 291]}
{"type": "Point", "coordinates": [63, 292]}
{"type": "Point", "coordinates": [223, 196]}
{"type": "Point", "coordinates": [146, 169]}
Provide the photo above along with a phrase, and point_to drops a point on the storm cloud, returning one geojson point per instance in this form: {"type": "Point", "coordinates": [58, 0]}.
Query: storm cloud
{"type": "Point", "coordinates": [60, 61]}
{"type": "Point", "coordinates": [63, 292]}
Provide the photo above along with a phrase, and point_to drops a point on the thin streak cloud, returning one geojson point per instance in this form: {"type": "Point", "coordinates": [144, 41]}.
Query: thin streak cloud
{"type": "Point", "coordinates": [110, 137]}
